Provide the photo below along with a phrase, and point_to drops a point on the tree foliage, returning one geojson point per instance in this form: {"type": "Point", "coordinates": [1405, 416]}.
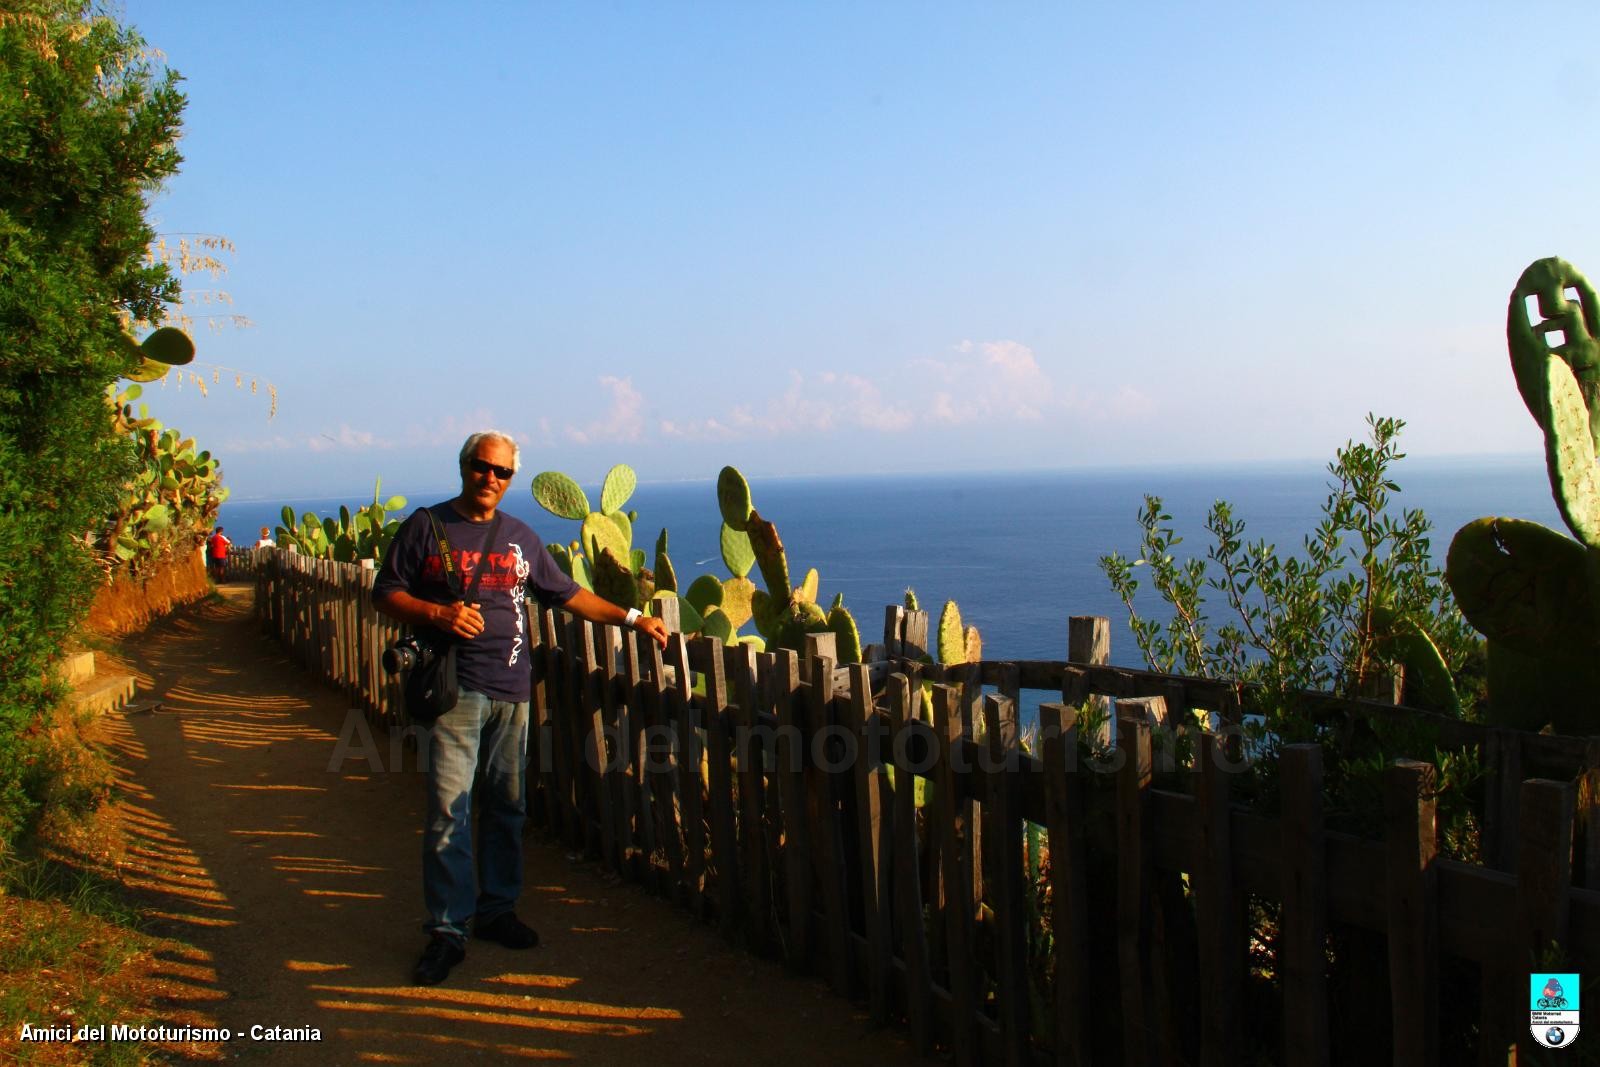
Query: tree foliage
{"type": "Point", "coordinates": [88, 129]}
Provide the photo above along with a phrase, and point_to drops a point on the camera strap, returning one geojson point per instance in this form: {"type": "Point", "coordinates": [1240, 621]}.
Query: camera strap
{"type": "Point", "coordinates": [452, 579]}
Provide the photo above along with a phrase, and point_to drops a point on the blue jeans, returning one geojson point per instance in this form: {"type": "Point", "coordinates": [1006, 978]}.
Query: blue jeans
{"type": "Point", "coordinates": [478, 739]}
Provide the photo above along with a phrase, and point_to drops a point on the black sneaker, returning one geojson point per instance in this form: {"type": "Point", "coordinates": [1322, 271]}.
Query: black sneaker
{"type": "Point", "coordinates": [506, 929]}
{"type": "Point", "coordinates": [441, 954]}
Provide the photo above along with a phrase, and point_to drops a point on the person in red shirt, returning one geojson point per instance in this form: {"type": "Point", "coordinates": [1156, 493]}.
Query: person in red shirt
{"type": "Point", "coordinates": [217, 553]}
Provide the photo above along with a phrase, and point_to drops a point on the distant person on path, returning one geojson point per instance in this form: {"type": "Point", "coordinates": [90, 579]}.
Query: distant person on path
{"type": "Point", "coordinates": [485, 736]}
{"type": "Point", "coordinates": [217, 553]}
{"type": "Point", "coordinates": [265, 540]}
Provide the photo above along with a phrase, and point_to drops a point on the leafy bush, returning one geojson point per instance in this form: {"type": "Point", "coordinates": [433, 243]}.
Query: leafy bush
{"type": "Point", "coordinates": [1362, 598]}
{"type": "Point", "coordinates": [87, 129]}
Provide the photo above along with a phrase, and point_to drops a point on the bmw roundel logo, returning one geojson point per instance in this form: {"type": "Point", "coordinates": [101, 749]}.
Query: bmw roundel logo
{"type": "Point", "coordinates": [1555, 1035]}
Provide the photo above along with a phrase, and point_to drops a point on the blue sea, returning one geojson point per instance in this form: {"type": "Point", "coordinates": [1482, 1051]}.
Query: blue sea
{"type": "Point", "coordinates": [1018, 552]}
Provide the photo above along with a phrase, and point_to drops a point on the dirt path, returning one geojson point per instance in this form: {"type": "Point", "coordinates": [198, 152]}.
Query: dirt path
{"type": "Point", "coordinates": [299, 886]}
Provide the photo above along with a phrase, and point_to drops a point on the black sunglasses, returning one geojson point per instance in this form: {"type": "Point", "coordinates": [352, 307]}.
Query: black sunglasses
{"type": "Point", "coordinates": [483, 466]}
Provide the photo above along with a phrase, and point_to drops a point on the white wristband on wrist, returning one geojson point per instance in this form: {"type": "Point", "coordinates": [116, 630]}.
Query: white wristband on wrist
{"type": "Point", "coordinates": [632, 618]}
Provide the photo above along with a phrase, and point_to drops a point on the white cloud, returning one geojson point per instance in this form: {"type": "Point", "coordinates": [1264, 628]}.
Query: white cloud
{"type": "Point", "coordinates": [347, 439]}
{"type": "Point", "coordinates": [241, 445]}
{"type": "Point", "coordinates": [990, 380]}
{"type": "Point", "coordinates": [979, 381]}
{"type": "Point", "coordinates": [621, 422]}
{"type": "Point", "coordinates": [819, 403]}
{"type": "Point", "coordinates": [452, 430]}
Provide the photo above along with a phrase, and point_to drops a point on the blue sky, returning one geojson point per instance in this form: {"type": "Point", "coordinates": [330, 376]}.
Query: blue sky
{"type": "Point", "coordinates": [828, 238]}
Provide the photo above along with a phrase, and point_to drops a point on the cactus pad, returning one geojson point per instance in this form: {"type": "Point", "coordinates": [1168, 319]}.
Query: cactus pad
{"type": "Point", "coordinates": [974, 645]}
{"type": "Point", "coordinates": [619, 486]}
{"type": "Point", "coordinates": [952, 638]}
{"type": "Point", "coordinates": [845, 632]}
{"type": "Point", "coordinates": [666, 577]}
{"type": "Point", "coordinates": [614, 581]}
{"type": "Point", "coordinates": [1547, 281]}
{"type": "Point", "coordinates": [689, 619]}
{"type": "Point", "coordinates": [583, 571]}
{"type": "Point", "coordinates": [736, 596]}
{"type": "Point", "coordinates": [767, 615]}
{"type": "Point", "coordinates": [737, 552]}
{"type": "Point", "coordinates": [770, 557]}
{"type": "Point", "coordinates": [807, 589]}
{"type": "Point", "coordinates": [718, 625]}
{"type": "Point", "coordinates": [168, 345]}
{"type": "Point", "coordinates": [911, 599]}
{"type": "Point", "coordinates": [624, 526]}
{"type": "Point", "coordinates": [599, 533]}
{"type": "Point", "coordinates": [704, 592]}
{"type": "Point", "coordinates": [733, 497]}
{"type": "Point", "coordinates": [799, 619]}
{"type": "Point", "coordinates": [1525, 586]}
{"type": "Point", "coordinates": [560, 495]}
{"type": "Point", "coordinates": [1569, 453]}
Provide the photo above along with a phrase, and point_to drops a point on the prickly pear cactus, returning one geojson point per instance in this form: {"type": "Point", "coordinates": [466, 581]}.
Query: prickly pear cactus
{"type": "Point", "coordinates": [608, 530]}
{"type": "Point", "coordinates": [733, 497]}
{"type": "Point", "coordinates": [704, 592]}
{"type": "Point", "coordinates": [848, 637]}
{"type": "Point", "coordinates": [952, 637]}
{"type": "Point", "coordinates": [614, 580]}
{"type": "Point", "coordinates": [736, 597]}
{"type": "Point", "coordinates": [737, 552]}
{"type": "Point", "coordinates": [666, 577]}
{"type": "Point", "coordinates": [1532, 592]}
{"type": "Point", "coordinates": [618, 487]}
{"type": "Point", "coordinates": [770, 556]}
{"type": "Point", "coordinates": [158, 353]}
{"type": "Point", "coordinates": [1566, 332]}
{"type": "Point", "coordinates": [560, 495]}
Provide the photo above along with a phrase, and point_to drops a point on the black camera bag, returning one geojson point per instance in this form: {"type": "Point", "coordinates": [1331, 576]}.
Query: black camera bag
{"type": "Point", "coordinates": [430, 687]}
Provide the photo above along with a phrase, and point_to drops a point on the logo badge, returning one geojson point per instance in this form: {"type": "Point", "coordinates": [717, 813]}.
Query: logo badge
{"type": "Point", "coordinates": [1553, 1009]}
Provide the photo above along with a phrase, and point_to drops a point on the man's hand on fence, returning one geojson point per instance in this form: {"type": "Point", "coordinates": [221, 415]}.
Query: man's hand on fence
{"type": "Point", "coordinates": [654, 627]}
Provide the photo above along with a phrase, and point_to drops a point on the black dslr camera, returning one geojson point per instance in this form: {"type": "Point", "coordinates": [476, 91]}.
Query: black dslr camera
{"type": "Point", "coordinates": [406, 654]}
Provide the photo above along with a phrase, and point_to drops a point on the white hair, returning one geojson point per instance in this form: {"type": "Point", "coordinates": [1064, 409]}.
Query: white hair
{"type": "Point", "coordinates": [491, 435]}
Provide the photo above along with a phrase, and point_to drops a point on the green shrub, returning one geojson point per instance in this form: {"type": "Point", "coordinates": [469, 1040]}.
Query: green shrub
{"type": "Point", "coordinates": [87, 130]}
{"type": "Point", "coordinates": [1362, 597]}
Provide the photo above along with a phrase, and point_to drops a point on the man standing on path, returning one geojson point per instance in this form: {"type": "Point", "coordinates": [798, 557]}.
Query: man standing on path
{"type": "Point", "coordinates": [217, 553]}
{"type": "Point", "coordinates": [486, 734]}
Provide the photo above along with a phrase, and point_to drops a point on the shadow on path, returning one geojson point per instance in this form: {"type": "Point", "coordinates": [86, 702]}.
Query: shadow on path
{"type": "Point", "coordinates": [299, 886]}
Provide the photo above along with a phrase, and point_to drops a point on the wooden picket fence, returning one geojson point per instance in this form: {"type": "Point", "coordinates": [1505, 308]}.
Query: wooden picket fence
{"type": "Point", "coordinates": [1070, 895]}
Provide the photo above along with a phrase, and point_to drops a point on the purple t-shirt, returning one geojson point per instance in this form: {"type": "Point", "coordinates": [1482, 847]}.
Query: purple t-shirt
{"type": "Point", "coordinates": [495, 662]}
